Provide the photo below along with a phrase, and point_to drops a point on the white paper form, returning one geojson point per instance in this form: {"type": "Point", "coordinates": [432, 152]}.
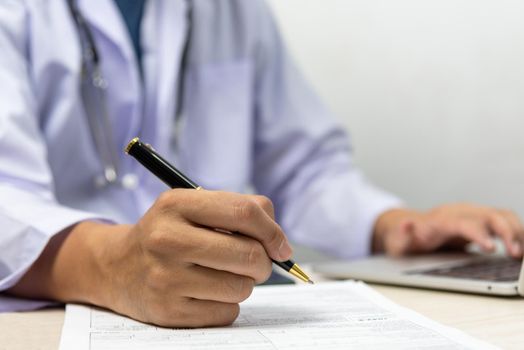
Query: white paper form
{"type": "Point", "coordinates": [333, 315]}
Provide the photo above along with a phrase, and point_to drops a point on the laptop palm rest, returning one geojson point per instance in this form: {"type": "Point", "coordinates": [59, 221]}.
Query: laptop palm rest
{"type": "Point", "coordinates": [408, 271]}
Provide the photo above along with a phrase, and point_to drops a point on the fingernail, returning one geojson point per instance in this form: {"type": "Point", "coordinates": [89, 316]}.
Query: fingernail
{"type": "Point", "coordinates": [284, 250]}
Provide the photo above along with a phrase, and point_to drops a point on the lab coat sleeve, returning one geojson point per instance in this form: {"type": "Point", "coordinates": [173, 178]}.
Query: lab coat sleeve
{"type": "Point", "coordinates": [303, 159]}
{"type": "Point", "coordinates": [29, 212]}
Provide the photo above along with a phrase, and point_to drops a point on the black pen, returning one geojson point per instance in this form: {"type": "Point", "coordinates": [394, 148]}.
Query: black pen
{"type": "Point", "coordinates": [174, 178]}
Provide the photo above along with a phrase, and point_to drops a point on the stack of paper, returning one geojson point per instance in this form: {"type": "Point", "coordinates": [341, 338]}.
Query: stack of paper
{"type": "Point", "coordinates": [334, 315]}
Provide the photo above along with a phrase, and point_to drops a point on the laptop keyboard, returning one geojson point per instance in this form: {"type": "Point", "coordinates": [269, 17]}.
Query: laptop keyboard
{"type": "Point", "coordinates": [488, 269]}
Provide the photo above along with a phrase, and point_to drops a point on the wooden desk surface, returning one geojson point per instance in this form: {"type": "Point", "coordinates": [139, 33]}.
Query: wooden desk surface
{"type": "Point", "coordinates": [499, 321]}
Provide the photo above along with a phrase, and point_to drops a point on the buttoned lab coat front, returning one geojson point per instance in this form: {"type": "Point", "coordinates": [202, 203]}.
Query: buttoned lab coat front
{"type": "Point", "coordinates": [250, 121]}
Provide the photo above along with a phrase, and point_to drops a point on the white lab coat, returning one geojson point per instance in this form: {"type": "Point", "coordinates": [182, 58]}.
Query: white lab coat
{"type": "Point", "coordinates": [250, 122]}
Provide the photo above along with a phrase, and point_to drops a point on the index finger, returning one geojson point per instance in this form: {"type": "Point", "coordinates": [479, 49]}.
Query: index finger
{"type": "Point", "coordinates": [231, 212]}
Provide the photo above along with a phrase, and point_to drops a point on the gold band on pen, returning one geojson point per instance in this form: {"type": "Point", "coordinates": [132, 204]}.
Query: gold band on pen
{"type": "Point", "coordinates": [131, 144]}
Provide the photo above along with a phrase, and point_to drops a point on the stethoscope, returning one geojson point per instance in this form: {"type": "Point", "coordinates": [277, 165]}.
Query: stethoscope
{"type": "Point", "coordinates": [94, 92]}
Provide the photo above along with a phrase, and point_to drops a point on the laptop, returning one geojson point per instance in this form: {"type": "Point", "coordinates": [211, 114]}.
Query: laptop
{"type": "Point", "coordinates": [461, 272]}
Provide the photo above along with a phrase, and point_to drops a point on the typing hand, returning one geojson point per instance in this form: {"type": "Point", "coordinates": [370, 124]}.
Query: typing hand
{"type": "Point", "coordinates": [171, 268]}
{"type": "Point", "coordinates": [400, 231]}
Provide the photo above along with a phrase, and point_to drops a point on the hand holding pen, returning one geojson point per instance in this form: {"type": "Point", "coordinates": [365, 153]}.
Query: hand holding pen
{"type": "Point", "coordinates": [174, 178]}
{"type": "Point", "coordinates": [174, 269]}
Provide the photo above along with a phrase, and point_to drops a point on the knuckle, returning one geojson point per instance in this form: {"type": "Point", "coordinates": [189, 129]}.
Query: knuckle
{"type": "Point", "coordinates": [265, 203]}
{"type": "Point", "coordinates": [175, 315]}
{"type": "Point", "coordinates": [463, 227]}
{"type": "Point", "coordinates": [424, 237]}
{"type": "Point", "coordinates": [255, 255]}
{"type": "Point", "coordinates": [157, 280]}
{"type": "Point", "coordinates": [165, 200]}
{"type": "Point", "coordinates": [258, 263]}
{"type": "Point", "coordinates": [505, 212]}
{"type": "Point", "coordinates": [215, 314]}
{"type": "Point", "coordinates": [181, 248]}
{"type": "Point", "coordinates": [495, 217]}
{"type": "Point", "coordinates": [155, 240]}
{"type": "Point", "coordinates": [501, 224]}
{"type": "Point", "coordinates": [275, 237]}
{"type": "Point", "coordinates": [266, 271]}
{"type": "Point", "coordinates": [171, 200]}
{"type": "Point", "coordinates": [176, 244]}
{"type": "Point", "coordinates": [245, 210]}
{"type": "Point", "coordinates": [240, 288]}
{"type": "Point", "coordinates": [228, 315]}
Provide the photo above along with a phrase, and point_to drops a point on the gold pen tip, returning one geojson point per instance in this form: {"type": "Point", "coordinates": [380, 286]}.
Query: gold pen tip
{"type": "Point", "coordinates": [297, 272]}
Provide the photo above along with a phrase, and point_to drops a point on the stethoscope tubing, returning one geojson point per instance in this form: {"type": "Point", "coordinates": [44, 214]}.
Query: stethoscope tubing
{"type": "Point", "coordinates": [94, 87]}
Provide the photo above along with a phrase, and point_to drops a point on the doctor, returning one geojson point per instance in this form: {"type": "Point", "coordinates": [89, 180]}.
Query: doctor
{"type": "Point", "coordinates": [211, 85]}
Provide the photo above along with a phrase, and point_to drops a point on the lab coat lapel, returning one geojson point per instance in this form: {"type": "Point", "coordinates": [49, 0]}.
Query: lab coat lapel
{"type": "Point", "coordinates": [163, 36]}
{"type": "Point", "coordinates": [103, 15]}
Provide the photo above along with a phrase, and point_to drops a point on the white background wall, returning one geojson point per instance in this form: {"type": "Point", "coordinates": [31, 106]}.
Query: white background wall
{"type": "Point", "coordinates": [432, 91]}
